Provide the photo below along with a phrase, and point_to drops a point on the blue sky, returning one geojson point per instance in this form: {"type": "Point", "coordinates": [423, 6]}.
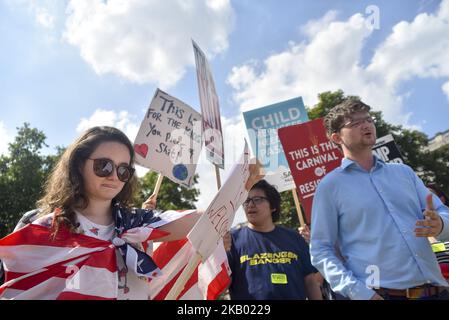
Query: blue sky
{"type": "Point", "coordinates": [66, 65]}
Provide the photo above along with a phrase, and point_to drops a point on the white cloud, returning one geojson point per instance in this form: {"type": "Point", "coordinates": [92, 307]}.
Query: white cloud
{"type": "Point", "coordinates": [5, 139]}
{"type": "Point", "coordinates": [240, 77]}
{"type": "Point", "coordinates": [326, 62]}
{"type": "Point", "coordinates": [44, 18]}
{"type": "Point", "coordinates": [416, 49]}
{"type": "Point", "coordinates": [330, 59]}
{"type": "Point", "coordinates": [44, 11]}
{"type": "Point", "coordinates": [121, 120]}
{"type": "Point", "coordinates": [313, 27]}
{"type": "Point", "coordinates": [445, 88]}
{"type": "Point", "coordinates": [147, 40]}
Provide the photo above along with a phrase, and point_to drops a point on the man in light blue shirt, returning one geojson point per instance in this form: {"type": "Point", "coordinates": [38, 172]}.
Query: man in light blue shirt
{"type": "Point", "coordinates": [379, 215]}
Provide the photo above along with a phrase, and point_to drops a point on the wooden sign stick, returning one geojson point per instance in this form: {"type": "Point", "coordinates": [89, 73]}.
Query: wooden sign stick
{"type": "Point", "coordinates": [217, 175]}
{"type": "Point", "coordinates": [298, 208]}
{"type": "Point", "coordinates": [158, 185]}
{"type": "Point", "coordinates": [185, 275]}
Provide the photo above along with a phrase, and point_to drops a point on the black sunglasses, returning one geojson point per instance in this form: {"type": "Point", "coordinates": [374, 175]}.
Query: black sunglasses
{"type": "Point", "coordinates": [103, 167]}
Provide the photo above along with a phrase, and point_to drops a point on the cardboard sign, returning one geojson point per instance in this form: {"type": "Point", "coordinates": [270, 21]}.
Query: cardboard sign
{"type": "Point", "coordinates": [310, 156]}
{"type": "Point", "coordinates": [262, 125]}
{"type": "Point", "coordinates": [169, 139]}
{"type": "Point", "coordinates": [217, 219]}
{"type": "Point", "coordinates": [210, 109]}
{"type": "Point", "coordinates": [387, 150]}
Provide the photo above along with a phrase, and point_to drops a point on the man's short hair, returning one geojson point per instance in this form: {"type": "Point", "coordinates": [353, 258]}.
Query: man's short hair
{"type": "Point", "coordinates": [339, 114]}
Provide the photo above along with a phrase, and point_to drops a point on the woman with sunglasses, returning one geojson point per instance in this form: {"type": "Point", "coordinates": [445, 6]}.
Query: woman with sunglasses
{"type": "Point", "coordinates": [269, 262]}
{"type": "Point", "coordinates": [89, 193]}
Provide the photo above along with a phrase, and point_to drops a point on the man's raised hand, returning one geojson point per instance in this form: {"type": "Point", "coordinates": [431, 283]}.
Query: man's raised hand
{"type": "Point", "coordinates": [432, 225]}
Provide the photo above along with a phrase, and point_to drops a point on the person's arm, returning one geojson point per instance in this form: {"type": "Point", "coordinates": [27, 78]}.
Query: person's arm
{"type": "Point", "coordinates": [150, 203]}
{"type": "Point", "coordinates": [313, 288]}
{"type": "Point", "coordinates": [227, 241]}
{"type": "Point", "coordinates": [305, 233]}
{"type": "Point", "coordinates": [324, 236]}
{"type": "Point", "coordinates": [179, 229]}
{"type": "Point", "coordinates": [312, 278]}
{"type": "Point", "coordinates": [256, 173]}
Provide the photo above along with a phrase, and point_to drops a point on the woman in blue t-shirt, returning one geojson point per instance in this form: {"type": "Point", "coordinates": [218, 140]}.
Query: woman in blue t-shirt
{"type": "Point", "coordinates": [269, 261]}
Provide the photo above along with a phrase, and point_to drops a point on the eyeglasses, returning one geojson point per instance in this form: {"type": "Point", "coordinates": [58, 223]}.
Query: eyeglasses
{"type": "Point", "coordinates": [103, 167]}
{"type": "Point", "coordinates": [255, 200]}
{"type": "Point", "coordinates": [354, 123]}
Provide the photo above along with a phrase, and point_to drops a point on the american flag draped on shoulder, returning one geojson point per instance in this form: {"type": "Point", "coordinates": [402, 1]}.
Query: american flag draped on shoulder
{"type": "Point", "coordinates": [72, 266]}
{"type": "Point", "coordinates": [209, 280]}
{"type": "Point", "coordinates": [76, 266]}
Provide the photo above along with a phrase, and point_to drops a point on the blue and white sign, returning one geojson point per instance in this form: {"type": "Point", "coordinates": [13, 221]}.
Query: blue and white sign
{"type": "Point", "coordinates": [262, 125]}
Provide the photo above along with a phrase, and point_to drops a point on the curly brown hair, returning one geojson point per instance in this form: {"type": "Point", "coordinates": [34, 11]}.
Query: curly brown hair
{"type": "Point", "coordinates": [64, 190]}
{"type": "Point", "coordinates": [337, 116]}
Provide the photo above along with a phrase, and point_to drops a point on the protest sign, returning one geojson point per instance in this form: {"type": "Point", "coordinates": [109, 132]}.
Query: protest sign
{"type": "Point", "coordinates": [169, 139]}
{"type": "Point", "coordinates": [217, 219]}
{"type": "Point", "coordinates": [387, 150]}
{"type": "Point", "coordinates": [262, 125]}
{"type": "Point", "coordinates": [310, 156]}
{"type": "Point", "coordinates": [210, 109]}
{"type": "Point", "coordinates": [207, 233]}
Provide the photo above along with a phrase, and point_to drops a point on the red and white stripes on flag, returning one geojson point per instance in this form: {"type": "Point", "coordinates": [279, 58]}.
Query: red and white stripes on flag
{"type": "Point", "coordinates": [209, 280]}
{"type": "Point", "coordinates": [75, 266]}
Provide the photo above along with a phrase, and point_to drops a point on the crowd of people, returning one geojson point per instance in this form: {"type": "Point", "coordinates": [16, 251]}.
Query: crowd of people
{"type": "Point", "coordinates": [377, 232]}
{"type": "Point", "coordinates": [369, 238]}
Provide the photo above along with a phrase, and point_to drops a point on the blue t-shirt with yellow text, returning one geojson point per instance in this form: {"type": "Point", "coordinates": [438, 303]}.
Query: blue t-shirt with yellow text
{"type": "Point", "coordinates": [268, 265]}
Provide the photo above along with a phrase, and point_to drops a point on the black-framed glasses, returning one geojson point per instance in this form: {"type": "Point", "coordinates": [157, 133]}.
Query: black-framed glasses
{"type": "Point", "coordinates": [255, 200]}
{"type": "Point", "coordinates": [103, 167]}
{"type": "Point", "coordinates": [355, 123]}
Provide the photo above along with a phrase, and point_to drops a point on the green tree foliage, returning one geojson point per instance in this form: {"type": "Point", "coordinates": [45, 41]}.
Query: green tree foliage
{"type": "Point", "coordinates": [430, 166]}
{"type": "Point", "coordinates": [171, 195]}
{"type": "Point", "coordinates": [326, 101]}
{"type": "Point", "coordinates": [289, 216]}
{"type": "Point", "coordinates": [434, 167]}
{"type": "Point", "coordinates": [22, 175]}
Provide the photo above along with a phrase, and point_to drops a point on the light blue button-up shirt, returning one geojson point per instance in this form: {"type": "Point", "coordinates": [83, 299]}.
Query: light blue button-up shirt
{"type": "Point", "coordinates": [371, 216]}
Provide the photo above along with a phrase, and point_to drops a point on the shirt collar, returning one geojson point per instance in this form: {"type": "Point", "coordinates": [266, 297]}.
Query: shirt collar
{"type": "Point", "coordinates": [345, 163]}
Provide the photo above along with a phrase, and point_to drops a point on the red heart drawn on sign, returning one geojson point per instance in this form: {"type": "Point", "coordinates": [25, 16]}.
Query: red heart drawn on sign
{"type": "Point", "coordinates": [141, 149]}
